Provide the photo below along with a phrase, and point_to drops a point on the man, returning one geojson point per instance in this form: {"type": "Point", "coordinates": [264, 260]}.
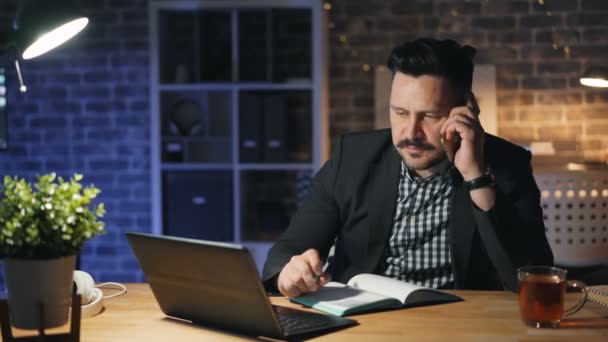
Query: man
{"type": "Point", "coordinates": [395, 204]}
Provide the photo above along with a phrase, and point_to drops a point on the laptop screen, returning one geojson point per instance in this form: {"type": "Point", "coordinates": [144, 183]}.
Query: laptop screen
{"type": "Point", "coordinates": [216, 284]}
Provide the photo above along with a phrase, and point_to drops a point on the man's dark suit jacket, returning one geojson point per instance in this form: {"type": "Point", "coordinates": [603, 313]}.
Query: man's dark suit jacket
{"type": "Point", "coordinates": [354, 196]}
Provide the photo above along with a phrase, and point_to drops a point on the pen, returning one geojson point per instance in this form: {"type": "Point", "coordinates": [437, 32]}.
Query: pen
{"type": "Point", "coordinates": [324, 269]}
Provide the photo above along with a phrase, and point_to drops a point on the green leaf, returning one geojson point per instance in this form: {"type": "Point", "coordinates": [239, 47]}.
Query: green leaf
{"type": "Point", "coordinates": [48, 218]}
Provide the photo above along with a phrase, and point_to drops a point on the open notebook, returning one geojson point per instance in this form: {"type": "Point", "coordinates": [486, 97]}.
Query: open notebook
{"type": "Point", "coordinates": [371, 292]}
{"type": "Point", "coordinates": [217, 285]}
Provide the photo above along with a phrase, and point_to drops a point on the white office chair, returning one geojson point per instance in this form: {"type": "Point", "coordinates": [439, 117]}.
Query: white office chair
{"type": "Point", "coordinates": [575, 210]}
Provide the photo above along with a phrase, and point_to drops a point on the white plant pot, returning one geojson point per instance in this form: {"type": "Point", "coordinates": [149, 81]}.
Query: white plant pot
{"type": "Point", "coordinates": [31, 282]}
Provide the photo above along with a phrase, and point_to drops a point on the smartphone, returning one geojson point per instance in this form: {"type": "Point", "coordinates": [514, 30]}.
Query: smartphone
{"type": "Point", "coordinates": [451, 147]}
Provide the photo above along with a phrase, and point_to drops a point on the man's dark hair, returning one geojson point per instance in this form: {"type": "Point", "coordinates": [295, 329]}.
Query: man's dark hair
{"type": "Point", "coordinates": [427, 56]}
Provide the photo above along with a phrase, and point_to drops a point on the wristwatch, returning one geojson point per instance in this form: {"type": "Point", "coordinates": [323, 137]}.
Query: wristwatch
{"type": "Point", "coordinates": [485, 180]}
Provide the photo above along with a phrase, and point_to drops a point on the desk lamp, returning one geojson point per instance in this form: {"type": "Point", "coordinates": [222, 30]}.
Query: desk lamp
{"type": "Point", "coordinates": [40, 26]}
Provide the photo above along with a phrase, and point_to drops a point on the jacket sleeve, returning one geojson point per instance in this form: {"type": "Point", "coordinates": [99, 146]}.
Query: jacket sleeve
{"type": "Point", "coordinates": [315, 224]}
{"type": "Point", "coordinates": [513, 232]}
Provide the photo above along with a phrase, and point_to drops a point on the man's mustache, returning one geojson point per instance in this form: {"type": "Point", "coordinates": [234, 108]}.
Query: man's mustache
{"type": "Point", "coordinates": [414, 143]}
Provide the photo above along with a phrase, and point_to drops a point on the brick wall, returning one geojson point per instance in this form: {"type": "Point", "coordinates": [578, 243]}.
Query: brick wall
{"type": "Point", "coordinates": [87, 111]}
{"type": "Point", "coordinates": [538, 93]}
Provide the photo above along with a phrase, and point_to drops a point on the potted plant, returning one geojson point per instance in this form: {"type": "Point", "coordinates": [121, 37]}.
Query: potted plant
{"type": "Point", "coordinates": [42, 227]}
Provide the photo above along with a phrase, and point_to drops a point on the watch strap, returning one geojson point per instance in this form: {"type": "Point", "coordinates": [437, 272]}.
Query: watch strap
{"type": "Point", "coordinates": [485, 180]}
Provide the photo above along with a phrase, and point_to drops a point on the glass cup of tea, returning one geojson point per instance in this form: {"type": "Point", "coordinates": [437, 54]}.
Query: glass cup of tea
{"type": "Point", "coordinates": [542, 292]}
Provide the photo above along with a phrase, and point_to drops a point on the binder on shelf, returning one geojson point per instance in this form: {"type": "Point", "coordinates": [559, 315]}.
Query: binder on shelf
{"type": "Point", "coordinates": [173, 151]}
{"type": "Point", "coordinates": [198, 205]}
{"type": "Point", "coordinates": [275, 128]}
{"type": "Point", "coordinates": [250, 108]}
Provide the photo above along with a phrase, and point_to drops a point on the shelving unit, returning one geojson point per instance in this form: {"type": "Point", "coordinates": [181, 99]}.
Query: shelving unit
{"type": "Point", "coordinates": [238, 116]}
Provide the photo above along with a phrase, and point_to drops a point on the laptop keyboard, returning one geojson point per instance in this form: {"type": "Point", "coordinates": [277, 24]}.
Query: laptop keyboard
{"type": "Point", "coordinates": [296, 321]}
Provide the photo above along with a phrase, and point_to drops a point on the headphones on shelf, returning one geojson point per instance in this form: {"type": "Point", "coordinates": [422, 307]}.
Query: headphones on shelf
{"type": "Point", "coordinates": [91, 295]}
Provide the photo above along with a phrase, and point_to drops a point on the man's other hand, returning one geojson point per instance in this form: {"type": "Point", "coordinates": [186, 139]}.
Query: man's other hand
{"type": "Point", "coordinates": [302, 274]}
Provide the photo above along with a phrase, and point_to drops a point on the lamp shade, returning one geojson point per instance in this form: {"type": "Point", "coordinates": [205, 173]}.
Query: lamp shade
{"type": "Point", "coordinates": [595, 77]}
{"type": "Point", "coordinates": [42, 25]}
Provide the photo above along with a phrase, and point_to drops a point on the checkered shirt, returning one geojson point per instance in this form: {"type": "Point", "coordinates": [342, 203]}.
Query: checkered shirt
{"type": "Point", "coordinates": [418, 250]}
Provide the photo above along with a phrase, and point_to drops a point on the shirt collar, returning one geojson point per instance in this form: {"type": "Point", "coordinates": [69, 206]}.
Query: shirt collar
{"type": "Point", "coordinates": [413, 178]}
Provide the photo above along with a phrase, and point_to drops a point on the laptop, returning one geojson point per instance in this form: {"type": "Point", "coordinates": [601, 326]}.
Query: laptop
{"type": "Point", "coordinates": [217, 285]}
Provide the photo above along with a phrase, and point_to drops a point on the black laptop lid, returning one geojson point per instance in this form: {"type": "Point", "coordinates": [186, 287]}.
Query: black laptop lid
{"type": "Point", "coordinates": [215, 284]}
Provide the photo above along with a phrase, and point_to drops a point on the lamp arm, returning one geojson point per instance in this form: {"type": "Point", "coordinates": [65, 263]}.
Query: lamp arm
{"type": "Point", "coordinates": [22, 86]}
{"type": "Point", "coordinates": [6, 46]}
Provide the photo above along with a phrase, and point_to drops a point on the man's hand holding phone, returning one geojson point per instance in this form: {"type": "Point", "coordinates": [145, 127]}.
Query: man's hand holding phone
{"type": "Point", "coordinates": [468, 156]}
{"type": "Point", "coordinates": [302, 274]}
{"type": "Point", "coordinates": [463, 137]}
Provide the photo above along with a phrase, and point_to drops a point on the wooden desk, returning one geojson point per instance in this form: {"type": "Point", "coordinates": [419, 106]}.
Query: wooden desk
{"type": "Point", "coordinates": [483, 316]}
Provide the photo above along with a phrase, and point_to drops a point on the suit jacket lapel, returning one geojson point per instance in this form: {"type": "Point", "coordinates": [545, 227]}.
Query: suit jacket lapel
{"type": "Point", "coordinates": [461, 227]}
{"type": "Point", "coordinates": [383, 190]}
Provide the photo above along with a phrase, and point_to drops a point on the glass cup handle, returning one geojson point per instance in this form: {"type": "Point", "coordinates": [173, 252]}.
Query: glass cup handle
{"type": "Point", "coordinates": [583, 288]}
